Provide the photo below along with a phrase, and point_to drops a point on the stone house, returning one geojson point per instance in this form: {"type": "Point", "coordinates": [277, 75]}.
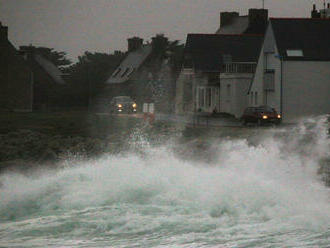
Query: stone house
{"type": "Point", "coordinates": [16, 77]}
{"type": "Point", "coordinates": [293, 71]}
{"type": "Point", "coordinates": [28, 81]}
{"type": "Point", "coordinates": [144, 75]}
{"type": "Point", "coordinates": [47, 79]}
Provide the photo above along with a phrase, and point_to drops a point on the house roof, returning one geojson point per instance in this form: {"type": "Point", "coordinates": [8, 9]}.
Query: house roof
{"type": "Point", "coordinates": [129, 65]}
{"type": "Point", "coordinates": [50, 68]}
{"type": "Point", "coordinates": [302, 36]}
{"type": "Point", "coordinates": [208, 50]}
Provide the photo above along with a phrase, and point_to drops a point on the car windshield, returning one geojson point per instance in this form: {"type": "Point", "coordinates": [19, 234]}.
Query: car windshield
{"type": "Point", "coordinates": [264, 109]}
{"type": "Point", "coordinates": [123, 99]}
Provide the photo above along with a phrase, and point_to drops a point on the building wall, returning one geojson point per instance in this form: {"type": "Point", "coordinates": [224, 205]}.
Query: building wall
{"type": "Point", "coordinates": [268, 60]}
{"type": "Point", "coordinates": [20, 86]}
{"type": "Point", "coordinates": [206, 92]}
{"type": "Point", "coordinates": [16, 86]}
{"type": "Point", "coordinates": [233, 93]}
{"type": "Point", "coordinates": [44, 88]}
{"type": "Point", "coordinates": [306, 84]}
{"type": "Point", "coordinates": [306, 89]}
{"type": "Point", "coordinates": [184, 91]}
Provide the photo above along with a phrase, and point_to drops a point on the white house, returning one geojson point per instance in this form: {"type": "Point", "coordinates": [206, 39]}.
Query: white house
{"type": "Point", "coordinates": [293, 71]}
{"type": "Point", "coordinates": [239, 62]}
{"type": "Point", "coordinates": [198, 88]}
{"type": "Point", "coordinates": [217, 73]}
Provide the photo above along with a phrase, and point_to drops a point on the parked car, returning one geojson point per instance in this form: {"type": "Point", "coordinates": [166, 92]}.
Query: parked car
{"type": "Point", "coordinates": [123, 104]}
{"type": "Point", "coordinates": [261, 115]}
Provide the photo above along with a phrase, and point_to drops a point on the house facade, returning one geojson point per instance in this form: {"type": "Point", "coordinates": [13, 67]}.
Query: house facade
{"type": "Point", "coordinates": [144, 74]}
{"type": "Point", "coordinates": [47, 79]}
{"type": "Point", "coordinates": [16, 77]}
{"type": "Point", "coordinates": [217, 72]}
{"type": "Point", "coordinates": [218, 68]}
{"type": "Point", "coordinates": [293, 71]}
{"type": "Point", "coordinates": [235, 79]}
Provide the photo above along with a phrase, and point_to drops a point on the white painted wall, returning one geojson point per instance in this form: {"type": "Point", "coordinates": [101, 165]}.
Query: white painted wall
{"type": "Point", "coordinates": [267, 60]}
{"type": "Point", "coordinates": [235, 101]}
{"type": "Point", "coordinates": [306, 84]}
{"type": "Point", "coordinates": [306, 89]}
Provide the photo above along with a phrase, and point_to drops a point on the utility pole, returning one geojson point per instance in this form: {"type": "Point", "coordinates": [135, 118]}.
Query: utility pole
{"type": "Point", "coordinates": [263, 4]}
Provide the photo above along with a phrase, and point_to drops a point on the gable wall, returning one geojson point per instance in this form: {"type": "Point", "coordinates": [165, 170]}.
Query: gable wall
{"type": "Point", "coordinates": [268, 61]}
{"type": "Point", "coordinates": [306, 89]}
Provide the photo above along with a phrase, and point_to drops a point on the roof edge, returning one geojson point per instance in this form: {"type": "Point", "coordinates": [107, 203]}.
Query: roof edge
{"type": "Point", "coordinates": [299, 18]}
{"type": "Point", "coordinates": [254, 35]}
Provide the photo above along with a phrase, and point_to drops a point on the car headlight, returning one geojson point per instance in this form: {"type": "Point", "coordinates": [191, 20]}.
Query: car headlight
{"type": "Point", "coordinates": [265, 117]}
{"type": "Point", "coordinates": [134, 105]}
{"type": "Point", "coordinates": [279, 116]}
{"type": "Point", "coordinates": [120, 105]}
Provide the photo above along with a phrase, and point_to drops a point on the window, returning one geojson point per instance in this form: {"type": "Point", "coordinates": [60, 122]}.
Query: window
{"type": "Point", "coordinates": [116, 72]}
{"type": "Point", "coordinates": [125, 72]}
{"type": "Point", "coordinates": [239, 68]}
{"type": "Point", "coordinates": [228, 90]}
{"type": "Point", "coordinates": [209, 97]}
{"type": "Point", "coordinates": [294, 53]}
{"type": "Point", "coordinates": [132, 70]}
{"type": "Point", "coordinates": [201, 97]}
{"type": "Point", "coordinates": [269, 80]}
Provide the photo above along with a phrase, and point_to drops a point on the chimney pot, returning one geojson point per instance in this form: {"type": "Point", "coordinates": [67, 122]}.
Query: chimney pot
{"type": "Point", "coordinates": [3, 32]}
{"type": "Point", "coordinates": [227, 17]}
{"type": "Point", "coordinates": [134, 43]}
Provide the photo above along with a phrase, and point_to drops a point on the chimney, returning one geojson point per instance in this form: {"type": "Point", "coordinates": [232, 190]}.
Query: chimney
{"type": "Point", "coordinates": [227, 18]}
{"type": "Point", "coordinates": [258, 19]}
{"type": "Point", "coordinates": [315, 13]}
{"type": "Point", "coordinates": [134, 43]}
{"type": "Point", "coordinates": [3, 32]}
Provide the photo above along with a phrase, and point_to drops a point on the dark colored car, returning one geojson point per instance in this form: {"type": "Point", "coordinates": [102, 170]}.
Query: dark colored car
{"type": "Point", "coordinates": [261, 115]}
{"type": "Point", "coordinates": [123, 104]}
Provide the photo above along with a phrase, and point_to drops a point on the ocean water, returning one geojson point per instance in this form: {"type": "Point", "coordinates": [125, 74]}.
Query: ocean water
{"type": "Point", "coordinates": [260, 194]}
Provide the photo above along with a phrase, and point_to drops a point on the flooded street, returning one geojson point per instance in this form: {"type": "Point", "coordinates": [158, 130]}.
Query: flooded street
{"type": "Point", "coordinates": [175, 187]}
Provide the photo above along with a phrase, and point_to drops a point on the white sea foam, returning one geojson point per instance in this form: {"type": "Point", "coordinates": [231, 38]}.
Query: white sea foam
{"type": "Point", "coordinates": [263, 195]}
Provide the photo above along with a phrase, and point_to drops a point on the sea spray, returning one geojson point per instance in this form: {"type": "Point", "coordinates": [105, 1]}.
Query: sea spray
{"type": "Point", "coordinates": [265, 194]}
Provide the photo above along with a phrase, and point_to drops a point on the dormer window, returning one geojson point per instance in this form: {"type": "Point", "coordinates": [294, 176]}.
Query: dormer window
{"type": "Point", "coordinates": [294, 53]}
{"type": "Point", "coordinates": [116, 72]}
{"type": "Point", "coordinates": [125, 72]}
{"type": "Point", "coordinates": [132, 70]}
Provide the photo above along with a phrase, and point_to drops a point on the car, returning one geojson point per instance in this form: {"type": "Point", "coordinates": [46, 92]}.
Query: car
{"type": "Point", "coordinates": [261, 115]}
{"type": "Point", "coordinates": [123, 104]}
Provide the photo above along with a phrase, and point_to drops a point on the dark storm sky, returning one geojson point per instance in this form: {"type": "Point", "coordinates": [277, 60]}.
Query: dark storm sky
{"type": "Point", "coordinates": [76, 26]}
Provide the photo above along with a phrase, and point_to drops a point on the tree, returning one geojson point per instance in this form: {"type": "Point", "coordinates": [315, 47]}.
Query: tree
{"type": "Point", "coordinates": [87, 77]}
{"type": "Point", "coordinates": [58, 58]}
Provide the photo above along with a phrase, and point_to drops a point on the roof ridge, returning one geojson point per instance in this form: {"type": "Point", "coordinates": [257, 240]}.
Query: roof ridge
{"type": "Point", "coordinates": [226, 34]}
{"type": "Point", "coordinates": [299, 18]}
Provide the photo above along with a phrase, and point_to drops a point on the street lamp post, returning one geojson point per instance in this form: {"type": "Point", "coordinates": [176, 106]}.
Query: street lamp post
{"type": "Point", "coordinates": [281, 84]}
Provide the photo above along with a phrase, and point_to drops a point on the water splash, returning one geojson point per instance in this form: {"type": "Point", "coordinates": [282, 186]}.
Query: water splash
{"type": "Point", "coordinates": [261, 195]}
